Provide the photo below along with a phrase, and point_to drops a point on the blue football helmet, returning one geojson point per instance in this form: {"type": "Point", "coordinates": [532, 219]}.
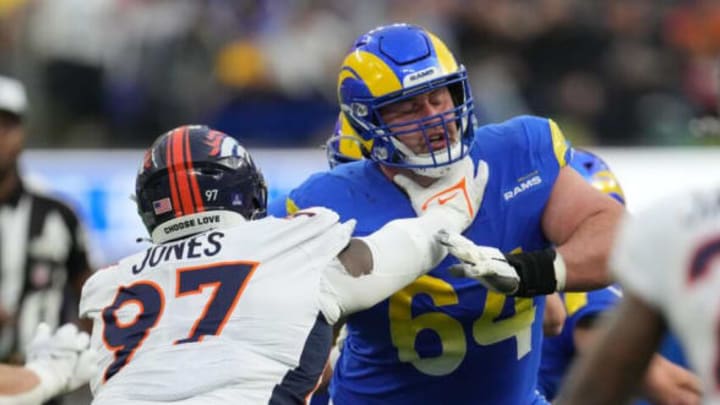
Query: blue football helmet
{"type": "Point", "coordinates": [397, 62]}
{"type": "Point", "coordinates": [597, 173]}
{"type": "Point", "coordinates": [193, 169]}
{"type": "Point", "coordinates": [344, 145]}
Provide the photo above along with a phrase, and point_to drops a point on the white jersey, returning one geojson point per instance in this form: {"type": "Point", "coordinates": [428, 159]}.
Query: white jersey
{"type": "Point", "coordinates": [228, 316]}
{"type": "Point", "coordinates": [669, 255]}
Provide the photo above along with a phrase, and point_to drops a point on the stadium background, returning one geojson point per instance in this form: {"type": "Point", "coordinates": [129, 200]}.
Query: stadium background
{"type": "Point", "coordinates": [635, 81]}
{"type": "Point", "coordinates": [99, 183]}
{"type": "Point", "coordinates": [116, 73]}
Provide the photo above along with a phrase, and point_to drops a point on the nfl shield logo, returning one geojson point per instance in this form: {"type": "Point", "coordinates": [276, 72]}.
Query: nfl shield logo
{"type": "Point", "coordinates": [162, 206]}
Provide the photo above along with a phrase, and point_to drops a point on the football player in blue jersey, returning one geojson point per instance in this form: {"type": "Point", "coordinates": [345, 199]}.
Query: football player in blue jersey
{"type": "Point", "coordinates": [343, 146]}
{"type": "Point", "coordinates": [447, 339]}
{"type": "Point", "coordinates": [665, 382]}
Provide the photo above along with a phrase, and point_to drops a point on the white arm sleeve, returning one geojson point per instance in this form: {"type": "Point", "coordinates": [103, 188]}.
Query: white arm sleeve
{"type": "Point", "coordinates": [402, 250]}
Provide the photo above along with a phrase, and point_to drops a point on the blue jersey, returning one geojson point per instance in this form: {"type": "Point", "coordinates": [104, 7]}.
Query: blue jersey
{"type": "Point", "coordinates": [558, 351]}
{"type": "Point", "coordinates": [444, 339]}
{"type": "Point", "coordinates": [277, 206]}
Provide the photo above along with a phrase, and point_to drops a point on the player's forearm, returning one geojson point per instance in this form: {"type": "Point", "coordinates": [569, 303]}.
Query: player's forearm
{"type": "Point", "coordinates": [382, 263]}
{"type": "Point", "coordinates": [610, 371]}
{"type": "Point", "coordinates": [596, 386]}
{"type": "Point", "coordinates": [19, 386]}
{"type": "Point", "coordinates": [586, 252]}
{"type": "Point", "coordinates": [16, 379]}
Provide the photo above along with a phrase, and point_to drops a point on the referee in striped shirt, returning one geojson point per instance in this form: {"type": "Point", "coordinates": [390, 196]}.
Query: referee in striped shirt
{"type": "Point", "coordinates": [43, 256]}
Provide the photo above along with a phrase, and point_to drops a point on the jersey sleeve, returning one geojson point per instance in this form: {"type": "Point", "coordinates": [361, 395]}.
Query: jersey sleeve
{"type": "Point", "coordinates": [529, 148]}
{"type": "Point", "coordinates": [322, 251]}
{"type": "Point", "coordinates": [561, 146]}
{"type": "Point", "coordinates": [581, 305]}
{"type": "Point", "coordinates": [554, 149]}
{"type": "Point", "coordinates": [543, 139]}
{"type": "Point", "coordinates": [97, 291]}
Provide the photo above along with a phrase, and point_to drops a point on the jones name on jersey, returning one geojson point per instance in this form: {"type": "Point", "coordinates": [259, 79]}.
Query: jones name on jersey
{"type": "Point", "coordinates": [192, 248]}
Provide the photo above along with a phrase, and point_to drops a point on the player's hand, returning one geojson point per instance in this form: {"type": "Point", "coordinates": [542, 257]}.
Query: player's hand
{"type": "Point", "coordinates": [457, 195]}
{"type": "Point", "coordinates": [666, 383]}
{"type": "Point", "coordinates": [554, 316]}
{"type": "Point", "coordinates": [485, 264]}
{"type": "Point", "coordinates": [86, 368]}
{"type": "Point", "coordinates": [63, 361]}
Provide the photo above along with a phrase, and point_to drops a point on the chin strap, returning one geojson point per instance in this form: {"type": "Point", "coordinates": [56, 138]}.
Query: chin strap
{"type": "Point", "coordinates": [434, 169]}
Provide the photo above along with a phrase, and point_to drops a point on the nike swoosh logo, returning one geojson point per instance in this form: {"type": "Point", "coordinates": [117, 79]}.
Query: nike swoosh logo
{"type": "Point", "coordinates": [442, 201]}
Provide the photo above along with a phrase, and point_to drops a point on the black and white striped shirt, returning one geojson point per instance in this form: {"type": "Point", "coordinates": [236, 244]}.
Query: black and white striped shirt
{"type": "Point", "coordinates": [42, 252]}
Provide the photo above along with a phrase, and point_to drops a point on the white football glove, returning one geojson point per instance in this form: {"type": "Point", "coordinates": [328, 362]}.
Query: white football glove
{"type": "Point", "coordinates": [63, 361]}
{"type": "Point", "coordinates": [457, 195]}
{"type": "Point", "coordinates": [485, 264]}
{"type": "Point", "coordinates": [87, 366]}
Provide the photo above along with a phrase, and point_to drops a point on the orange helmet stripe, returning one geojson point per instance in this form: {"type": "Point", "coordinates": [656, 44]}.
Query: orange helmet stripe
{"type": "Point", "coordinates": [182, 182]}
{"type": "Point", "coordinates": [192, 179]}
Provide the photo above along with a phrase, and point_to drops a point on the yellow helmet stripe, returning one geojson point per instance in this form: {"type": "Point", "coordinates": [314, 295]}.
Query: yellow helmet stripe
{"type": "Point", "coordinates": [375, 73]}
{"type": "Point", "coordinates": [446, 59]}
{"type": "Point", "coordinates": [606, 182]}
{"type": "Point", "coordinates": [350, 148]}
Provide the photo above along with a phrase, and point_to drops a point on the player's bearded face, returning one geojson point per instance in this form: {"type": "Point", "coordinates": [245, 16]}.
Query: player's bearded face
{"type": "Point", "coordinates": [437, 104]}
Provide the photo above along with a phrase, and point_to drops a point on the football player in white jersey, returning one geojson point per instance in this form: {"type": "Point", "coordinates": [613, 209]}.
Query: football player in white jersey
{"type": "Point", "coordinates": [668, 260]}
{"type": "Point", "coordinates": [228, 306]}
{"type": "Point", "coordinates": [57, 363]}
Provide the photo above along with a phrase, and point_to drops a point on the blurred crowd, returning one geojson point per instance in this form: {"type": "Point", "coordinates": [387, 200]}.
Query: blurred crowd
{"type": "Point", "coordinates": [115, 73]}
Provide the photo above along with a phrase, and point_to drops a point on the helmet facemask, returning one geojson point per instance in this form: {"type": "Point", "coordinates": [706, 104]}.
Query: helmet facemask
{"type": "Point", "coordinates": [395, 63]}
{"type": "Point", "coordinates": [456, 127]}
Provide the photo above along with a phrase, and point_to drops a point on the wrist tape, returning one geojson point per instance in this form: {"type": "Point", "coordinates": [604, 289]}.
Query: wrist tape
{"type": "Point", "coordinates": [541, 272]}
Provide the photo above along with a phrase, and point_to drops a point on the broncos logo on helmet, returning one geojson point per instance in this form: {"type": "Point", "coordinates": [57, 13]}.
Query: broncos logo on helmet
{"type": "Point", "coordinates": [597, 173]}
{"type": "Point", "coordinates": [394, 63]}
{"type": "Point", "coordinates": [191, 171]}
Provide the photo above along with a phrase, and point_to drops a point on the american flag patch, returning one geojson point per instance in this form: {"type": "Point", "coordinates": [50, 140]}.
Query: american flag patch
{"type": "Point", "coordinates": [162, 206]}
